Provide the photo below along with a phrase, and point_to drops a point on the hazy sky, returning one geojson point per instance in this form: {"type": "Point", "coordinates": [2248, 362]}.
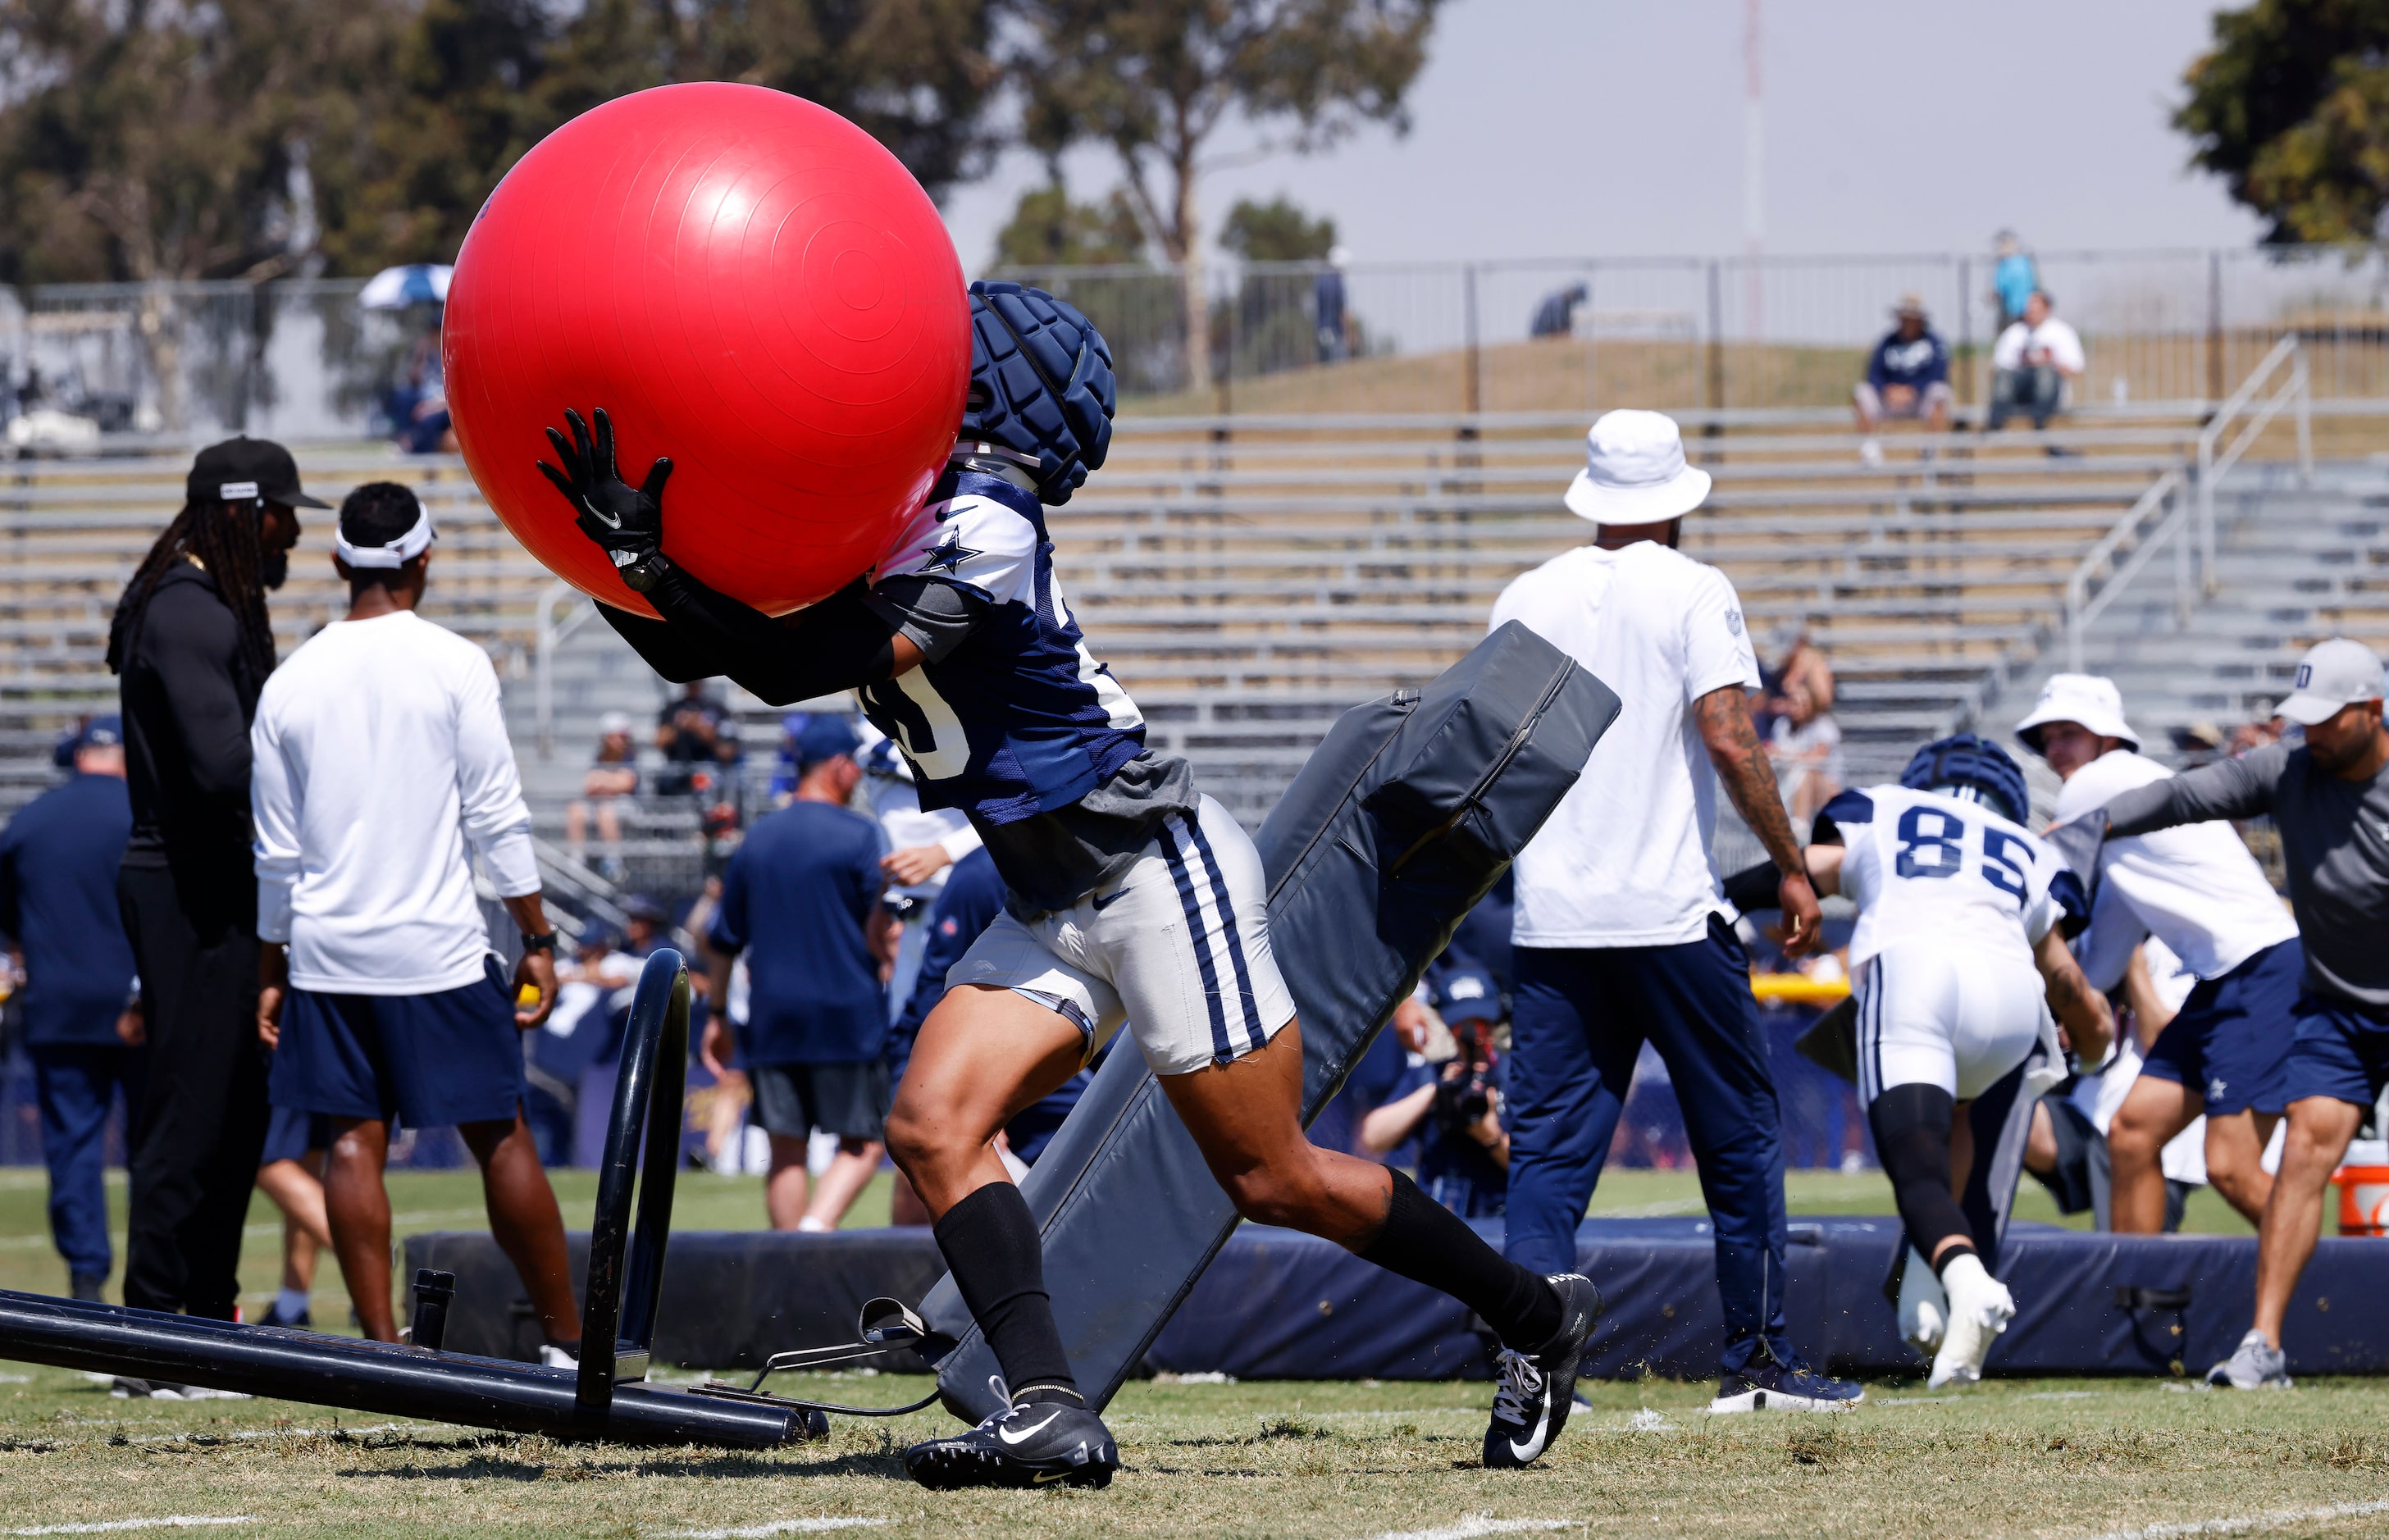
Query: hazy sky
{"type": "Point", "coordinates": [1606, 127]}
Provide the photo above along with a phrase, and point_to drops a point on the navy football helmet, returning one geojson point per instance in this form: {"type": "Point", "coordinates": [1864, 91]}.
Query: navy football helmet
{"type": "Point", "coordinates": [1965, 763]}
{"type": "Point", "coordinates": [1042, 385]}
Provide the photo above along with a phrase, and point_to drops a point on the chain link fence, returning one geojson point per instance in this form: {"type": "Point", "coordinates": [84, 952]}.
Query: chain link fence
{"type": "Point", "coordinates": [1781, 335]}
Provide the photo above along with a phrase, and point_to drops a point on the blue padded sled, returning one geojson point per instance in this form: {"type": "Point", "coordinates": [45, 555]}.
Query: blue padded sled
{"type": "Point", "coordinates": [1407, 813]}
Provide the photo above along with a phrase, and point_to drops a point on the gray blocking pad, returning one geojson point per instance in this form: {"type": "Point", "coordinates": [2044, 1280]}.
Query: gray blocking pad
{"type": "Point", "coordinates": [1406, 816]}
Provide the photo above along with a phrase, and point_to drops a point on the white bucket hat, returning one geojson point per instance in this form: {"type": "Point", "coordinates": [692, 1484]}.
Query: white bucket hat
{"type": "Point", "coordinates": [2091, 699]}
{"type": "Point", "coordinates": [1634, 472]}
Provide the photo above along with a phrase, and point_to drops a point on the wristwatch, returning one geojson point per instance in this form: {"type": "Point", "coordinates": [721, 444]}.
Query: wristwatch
{"type": "Point", "coordinates": [543, 942]}
{"type": "Point", "coordinates": [643, 572]}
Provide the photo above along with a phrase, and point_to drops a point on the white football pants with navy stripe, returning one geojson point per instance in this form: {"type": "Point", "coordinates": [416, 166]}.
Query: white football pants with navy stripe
{"type": "Point", "coordinates": [1179, 948]}
{"type": "Point", "coordinates": [1954, 1016]}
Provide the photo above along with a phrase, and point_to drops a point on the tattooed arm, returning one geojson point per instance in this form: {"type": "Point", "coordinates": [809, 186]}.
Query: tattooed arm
{"type": "Point", "coordinates": [2088, 1022]}
{"type": "Point", "coordinates": [1749, 776]}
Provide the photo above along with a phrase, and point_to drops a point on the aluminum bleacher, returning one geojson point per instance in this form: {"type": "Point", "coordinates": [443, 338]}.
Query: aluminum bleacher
{"type": "Point", "coordinates": [1247, 578]}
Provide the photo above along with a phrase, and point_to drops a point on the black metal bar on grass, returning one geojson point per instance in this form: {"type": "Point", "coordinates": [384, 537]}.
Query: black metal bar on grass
{"type": "Point", "coordinates": [605, 1398]}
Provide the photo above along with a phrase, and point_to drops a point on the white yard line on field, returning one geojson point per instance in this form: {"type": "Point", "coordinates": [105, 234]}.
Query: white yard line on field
{"type": "Point", "coordinates": [110, 1526]}
{"type": "Point", "coordinates": [1478, 1523]}
{"type": "Point", "coordinates": [2277, 1519]}
{"type": "Point", "coordinates": [777, 1526]}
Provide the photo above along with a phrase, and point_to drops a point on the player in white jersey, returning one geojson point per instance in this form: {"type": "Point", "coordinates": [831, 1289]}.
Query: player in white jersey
{"type": "Point", "coordinates": [1960, 956]}
{"type": "Point", "coordinates": [2196, 888]}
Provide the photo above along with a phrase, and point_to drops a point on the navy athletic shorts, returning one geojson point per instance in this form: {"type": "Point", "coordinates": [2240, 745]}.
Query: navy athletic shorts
{"type": "Point", "coordinates": [849, 1100]}
{"type": "Point", "coordinates": [431, 1060]}
{"type": "Point", "coordinates": [292, 1134]}
{"type": "Point", "coordinates": [2231, 1038]}
{"type": "Point", "coordinates": [2341, 1052]}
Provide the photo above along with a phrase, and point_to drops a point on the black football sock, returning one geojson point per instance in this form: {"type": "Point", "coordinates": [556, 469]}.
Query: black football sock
{"type": "Point", "coordinates": [1427, 1243]}
{"type": "Point", "coordinates": [990, 1245]}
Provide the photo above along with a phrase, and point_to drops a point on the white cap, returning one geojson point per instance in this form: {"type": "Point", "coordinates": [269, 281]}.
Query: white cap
{"type": "Point", "coordinates": [2091, 699]}
{"type": "Point", "coordinates": [614, 721]}
{"type": "Point", "coordinates": [2333, 674]}
{"type": "Point", "coordinates": [1634, 472]}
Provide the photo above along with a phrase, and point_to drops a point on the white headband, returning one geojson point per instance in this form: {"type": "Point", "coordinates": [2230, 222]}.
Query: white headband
{"type": "Point", "coordinates": [398, 553]}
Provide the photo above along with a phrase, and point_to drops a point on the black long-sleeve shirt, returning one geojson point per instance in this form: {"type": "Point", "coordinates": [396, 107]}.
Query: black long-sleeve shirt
{"type": "Point", "coordinates": [2334, 842]}
{"type": "Point", "coordinates": [188, 700]}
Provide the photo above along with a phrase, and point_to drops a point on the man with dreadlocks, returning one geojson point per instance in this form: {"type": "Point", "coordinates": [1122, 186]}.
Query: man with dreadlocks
{"type": "Point", "coordinates": [193, 645]}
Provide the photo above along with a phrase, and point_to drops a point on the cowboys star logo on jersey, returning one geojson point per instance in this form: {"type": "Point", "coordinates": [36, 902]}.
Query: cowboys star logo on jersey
{"type": "Point", "coordinates": [1021, 718]}
{"type": "Point", "coordinates": [948, 556]}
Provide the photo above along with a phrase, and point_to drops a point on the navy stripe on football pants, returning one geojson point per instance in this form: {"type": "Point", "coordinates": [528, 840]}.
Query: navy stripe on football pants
{"type": "Point", "coordinates": [1198, 930]}
{"type": "Point", "coordinates": [1580, 1018]}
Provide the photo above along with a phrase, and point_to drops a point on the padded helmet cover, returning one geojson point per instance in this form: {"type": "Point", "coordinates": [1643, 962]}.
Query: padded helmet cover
{"type": "Point", "coordinates": [1041, 384]}
{"type": "Point", "coordinates": [1964, 761]}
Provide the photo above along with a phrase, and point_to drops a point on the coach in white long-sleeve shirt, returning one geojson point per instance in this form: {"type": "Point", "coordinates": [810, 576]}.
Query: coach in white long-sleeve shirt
{"type": "Point", "coordinates": [2197, 889]}
{"type": "Point", "coordinates": [379, 755]}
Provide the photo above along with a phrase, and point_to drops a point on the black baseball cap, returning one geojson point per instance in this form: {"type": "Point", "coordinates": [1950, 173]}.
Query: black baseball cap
{"type": "Point", "coordinates": [240, 470]}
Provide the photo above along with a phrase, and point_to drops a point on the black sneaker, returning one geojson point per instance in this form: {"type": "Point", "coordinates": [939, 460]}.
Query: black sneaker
{"type": "Point", "coordinates": [1027, 1444]}
{"type": "Point", "coordinates": [1538, 1389]}
{"type": "Point", "coordinates": [1767, 1386]}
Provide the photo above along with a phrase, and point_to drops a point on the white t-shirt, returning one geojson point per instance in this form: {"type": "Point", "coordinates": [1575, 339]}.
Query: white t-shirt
{"type": "Point", "coordinates": [379, 752]}
{"type": "Point", "coordinates": [2195, 887]}
{"type": "Point", "coordinates": [895, 802]}
{"type": "Point", "coordinates": [2101, 1094]}
{"type": "Point", "coordinates": [1922, 866]}
{"type": "Point", "coordinates": [1624, 860]}
{"type": "Point", "coordinates": [2052, 342]}
{"type": "Point", "coordinates": [591, 989]}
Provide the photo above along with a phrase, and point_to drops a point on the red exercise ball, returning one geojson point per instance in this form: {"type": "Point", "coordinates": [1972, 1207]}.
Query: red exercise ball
{"type": "Point", "coordinates": [747, 282]}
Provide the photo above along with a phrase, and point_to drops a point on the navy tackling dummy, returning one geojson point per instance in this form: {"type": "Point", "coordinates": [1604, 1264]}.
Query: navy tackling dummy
{"type": "Point", "coordinates": [1131, 896]}
{"type": "Point", "coordinates": [1959, 959]}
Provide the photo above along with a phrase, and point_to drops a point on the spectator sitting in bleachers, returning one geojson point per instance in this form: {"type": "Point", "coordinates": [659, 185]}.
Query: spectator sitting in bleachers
{"type": "Point", "coordinates": [613, 775]}
{"type": "Point", "coordinates": [1803, 668]}
{"type": "Point", "coordinates": [2031, 363]}
{"type": "Point", "coordinates": [1453, 1108]}
{"type": "Point", "coordinates": [1908, 377]}
{"type": "Point", "coordinates": [2265, 728]}
{"type": "Point", "coordinates": [696, 737]}
{"type": "Point", "coordinates": [591, 986]}
{"type": "Point", "coordinates": [1805, 744]}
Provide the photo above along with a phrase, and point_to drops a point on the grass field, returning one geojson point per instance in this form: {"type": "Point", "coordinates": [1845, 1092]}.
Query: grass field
{"type": "Point", "coordinates": [1340, 1461]}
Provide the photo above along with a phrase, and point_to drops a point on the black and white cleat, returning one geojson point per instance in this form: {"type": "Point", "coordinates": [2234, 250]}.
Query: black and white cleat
{"type": "Point", "coordinates": [1027, 1444]}
{"type": "Point", "coordinates": [1538, 1390]}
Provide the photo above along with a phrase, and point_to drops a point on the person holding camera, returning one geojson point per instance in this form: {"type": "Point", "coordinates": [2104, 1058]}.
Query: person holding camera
{"type": "Point", "coordinates": [1454, 1107]}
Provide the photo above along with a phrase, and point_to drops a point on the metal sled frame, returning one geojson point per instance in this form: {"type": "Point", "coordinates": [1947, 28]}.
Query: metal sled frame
{"type": "Point", "coordinates": [609, 1398]}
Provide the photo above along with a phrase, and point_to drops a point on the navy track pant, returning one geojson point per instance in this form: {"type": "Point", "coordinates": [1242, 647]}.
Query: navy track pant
{"type": "Point", "coordinates": [76, 1084]}
{"type": "Point", "coordinates": [1579, 1020]}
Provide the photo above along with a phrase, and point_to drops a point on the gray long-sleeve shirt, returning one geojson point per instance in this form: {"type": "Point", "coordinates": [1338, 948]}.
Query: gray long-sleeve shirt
{"type": "Point", "coordinates": [2334, 842]}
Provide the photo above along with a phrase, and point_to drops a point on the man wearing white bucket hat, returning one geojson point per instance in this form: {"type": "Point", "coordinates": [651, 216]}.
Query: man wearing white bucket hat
{"type": "Point", "coordinates": [2328, 798]}
{"type": "Point", "coordinates": [2197, 889]}
{"type": "Point", "coordinates": [1622, 936]}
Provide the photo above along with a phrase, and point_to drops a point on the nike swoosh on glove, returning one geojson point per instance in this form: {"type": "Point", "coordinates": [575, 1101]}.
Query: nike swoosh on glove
{"type": "Point", "coordinates": [627, 522]}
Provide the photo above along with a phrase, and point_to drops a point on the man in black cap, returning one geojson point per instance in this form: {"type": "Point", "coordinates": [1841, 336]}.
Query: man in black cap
{"type": "Point", "coordinates": [58, 907]}
{"type": "Point", "coordinates": [192, 643]}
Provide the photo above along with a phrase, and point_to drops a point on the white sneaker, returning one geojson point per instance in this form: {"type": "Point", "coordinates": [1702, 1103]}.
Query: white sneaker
{"type": "Point", "coordinates": [2255, 1365]}
{"type": "Point", "coordinates": [1980, 1308]}
{"type": "Point", "coordinates": [1870, 452]}
{"type": "Point", "coordinates": [1923, 1304]}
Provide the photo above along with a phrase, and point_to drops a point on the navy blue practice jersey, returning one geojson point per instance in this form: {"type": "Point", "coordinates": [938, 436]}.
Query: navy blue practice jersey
{"type": "Point", "coordinates": [1018, 719]}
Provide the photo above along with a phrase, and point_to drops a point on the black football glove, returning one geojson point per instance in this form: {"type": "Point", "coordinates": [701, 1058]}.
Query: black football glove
{"type": "Point", "coordinates": [627, 522]}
